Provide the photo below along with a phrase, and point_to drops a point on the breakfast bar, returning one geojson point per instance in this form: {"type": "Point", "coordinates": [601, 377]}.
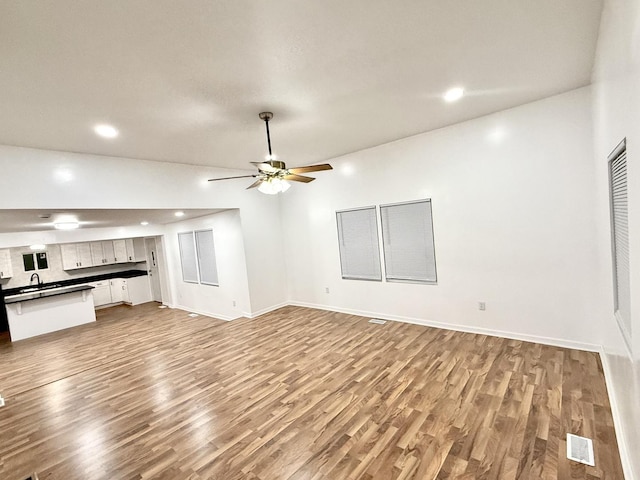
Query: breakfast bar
{"type": "Point", "coordinates": [44, 311]}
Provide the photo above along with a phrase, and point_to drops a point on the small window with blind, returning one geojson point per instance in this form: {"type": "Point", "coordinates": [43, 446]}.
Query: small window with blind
{"type": "Point", "coordinates": [198, 257]}
{"type": "Point", "coordinates": [188, 257]}
{"type": "Point", "coordinates": [205, 249]}
{"type": "Point", "coordinates": [358, 243]}
{"type": "Point", "coordinates": [620, 238]}
{"type": "Point", "coordinates": [407, 240]}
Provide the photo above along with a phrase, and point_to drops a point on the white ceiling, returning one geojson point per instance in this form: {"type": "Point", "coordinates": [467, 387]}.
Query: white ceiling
{"type": "Point", "coordinates": [33, 221]}
{"type": "Point", "coordinates": [185, 81]}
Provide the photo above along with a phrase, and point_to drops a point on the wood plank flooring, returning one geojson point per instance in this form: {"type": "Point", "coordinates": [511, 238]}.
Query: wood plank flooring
{"type": "Point", "coordinates": [295, 394]}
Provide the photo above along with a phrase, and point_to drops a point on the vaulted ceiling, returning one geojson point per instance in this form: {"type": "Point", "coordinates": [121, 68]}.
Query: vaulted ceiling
{"type": "Point", "coordinates": [185, 81]}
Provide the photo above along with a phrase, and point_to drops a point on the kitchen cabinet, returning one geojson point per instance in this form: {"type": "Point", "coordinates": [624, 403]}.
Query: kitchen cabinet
{"type": "Point", "coordinates": [6, 269]}
{"type": "Point", "coordinates": [138, 290]}
{"type": "Point", "coordinates": [135, 250]}
{"type": "Point", "coordinates": [76, 255]}
{"type": "Point", "coordinates": [118, 289]}
{"type": "Point", "coordinates": [104, 252]}
{"type": "Point", "coordinates": [96, 253]}
{"type": "Point", "coordinates": [108, 252]}
{"type": "Point", "coordinates": [120, 251]}
{"type": "Point", "coordinates": [101, 293]}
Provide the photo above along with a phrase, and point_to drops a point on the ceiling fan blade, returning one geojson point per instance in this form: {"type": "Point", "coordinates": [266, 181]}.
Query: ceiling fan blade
{"type": "Point", "coordinates": [311, 168]}
{"type": "Point", "coordinates": [265, 167]}
{"type": "Point", "coordinates": [255, 184]}
{"type": "Point", "coordinates": [298, 178]}
{"type": "Point", "coordinates": [229, 178]}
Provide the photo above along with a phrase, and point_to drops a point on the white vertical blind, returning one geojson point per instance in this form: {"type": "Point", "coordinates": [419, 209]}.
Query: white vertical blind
{"type": "Point", "coordinates": [206, 257]}
{"type": "Point", "coordinates": [358, 242]}
{"type": "Point", "coordinates": [188, 257]}
{"type": "Point", "coordinates": [407, 239]}
{"type": "Point", "coordinates": [620, 238]}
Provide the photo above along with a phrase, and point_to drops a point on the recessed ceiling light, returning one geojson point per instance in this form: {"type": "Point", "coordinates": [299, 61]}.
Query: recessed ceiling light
{"type": "Point", "coordinates": [453, 94]}
{"type": "Point", "coordinates": [179, 214]}
{"type": "Point", "coordinates": [144, 223]}
{"type": "Point", "coordinates": [106, 131]}
{"type": "Point", "coordinates": [37, 246]}
{"type": "Point", "coordinates": [66, 225]}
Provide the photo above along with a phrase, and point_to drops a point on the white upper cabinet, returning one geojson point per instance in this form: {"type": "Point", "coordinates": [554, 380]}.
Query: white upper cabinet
{"type": "Point", "coordinates": [6, 269]}
{"type": "Point", "coordinates": [108, 251]}
{"type": "Point", "coordinates": [96, 253]}
{"type": "Point", "coordinates": [135, 250]}
{"type": "Point", "coordinates": [76, 255]}
{"type": "Point", "coordinates": [120, 251]}
{"type": "Point", "coordinates": [84, 255]}
{"type": "Point", "coordinates": [105, 252]}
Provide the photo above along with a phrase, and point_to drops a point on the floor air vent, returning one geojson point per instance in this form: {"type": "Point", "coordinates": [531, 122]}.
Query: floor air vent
{"type": "Point", "coordinates": [377, 321]}
{"type": "Point", "coordinates": [580, 449]}
{"type": "Point", "coordinates": [193, 315]}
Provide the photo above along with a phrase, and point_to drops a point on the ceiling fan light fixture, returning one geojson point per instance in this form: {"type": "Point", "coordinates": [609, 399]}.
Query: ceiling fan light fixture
{"type": "Point", "coordinates": [273, 186]}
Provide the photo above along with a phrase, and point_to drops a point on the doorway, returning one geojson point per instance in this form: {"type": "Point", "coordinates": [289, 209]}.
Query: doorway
{"type": "Point", "coordinates": [152, 269]}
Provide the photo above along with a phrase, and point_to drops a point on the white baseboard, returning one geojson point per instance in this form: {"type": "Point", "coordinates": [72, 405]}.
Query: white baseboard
{"type": "Point", "coordinates": [623, 448]}
{"type": "Point", "coordinates": [217, 316]}
{"type": "Point", "coordinates": [555, 342]}
{"type": "Point", "coordinates": [267, 310]}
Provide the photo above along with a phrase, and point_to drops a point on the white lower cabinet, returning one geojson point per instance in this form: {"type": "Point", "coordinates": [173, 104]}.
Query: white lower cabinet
{"type": "Point", "coordinates": [132, 291]}
{"type": "Point", "coordinates": [139, 290]}
{"type": "Point", "coordinates": [117, 288]}
{"type": "Point", "coordinates": [101, 293]}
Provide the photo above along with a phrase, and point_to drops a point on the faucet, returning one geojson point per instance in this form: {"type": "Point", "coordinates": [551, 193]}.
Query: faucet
{"type": "Point", "coordinates": [37, 276]}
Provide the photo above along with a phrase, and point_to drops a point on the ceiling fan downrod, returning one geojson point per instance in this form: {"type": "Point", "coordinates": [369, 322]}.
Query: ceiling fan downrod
{"type": "Point", "coordinates": [266, 116]}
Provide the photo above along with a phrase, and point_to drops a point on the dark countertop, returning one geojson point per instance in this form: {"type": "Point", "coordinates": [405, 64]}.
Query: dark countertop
{"type": "Point", "coordinates": [26, 297]}
{"type": "Point", "coordinates": [79, 281]}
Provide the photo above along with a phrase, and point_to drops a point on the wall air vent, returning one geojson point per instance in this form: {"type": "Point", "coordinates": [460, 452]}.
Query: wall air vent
{"type": "Point", "coordinates": [580, 449]}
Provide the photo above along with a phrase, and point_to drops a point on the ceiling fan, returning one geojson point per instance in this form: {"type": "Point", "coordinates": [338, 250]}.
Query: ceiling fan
{"type": "Point", "coordinates": [273, 176]}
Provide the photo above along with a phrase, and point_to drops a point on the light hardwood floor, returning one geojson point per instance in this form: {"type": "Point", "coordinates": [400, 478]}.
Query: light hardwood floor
{"type": "Point", "coordinates": [295, 394]}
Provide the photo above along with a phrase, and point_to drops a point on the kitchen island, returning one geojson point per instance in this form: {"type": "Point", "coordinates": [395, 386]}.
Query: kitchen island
{"type": "Point", "coordinates": [48, 310]}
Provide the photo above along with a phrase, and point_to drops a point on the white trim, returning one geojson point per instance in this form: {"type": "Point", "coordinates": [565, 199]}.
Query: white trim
{"type": "Point", "coordinates": [267, 310]}
{"type": "Point", "coordinates": [619, 425]}
{"type": "Point", "coordinates": [216, 316]}
{"type": "Point", "coordinates": [555, 342]}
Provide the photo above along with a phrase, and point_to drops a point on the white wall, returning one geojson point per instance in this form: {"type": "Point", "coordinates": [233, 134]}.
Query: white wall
{"type": "Point", "coordinates": [34, 179]}
{"type": "Point", "coordinates": [232, 270]}
{"type": "Point", "coordinates": [513, 220]}
{"type": "Point", "coordinates": [616, 113]}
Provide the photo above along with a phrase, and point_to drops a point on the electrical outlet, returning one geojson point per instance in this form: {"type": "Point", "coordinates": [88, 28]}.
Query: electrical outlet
{"type": "Point", "coordinates": [482, 306]}
{"type": "Point", "coordinates": [234, 303]}
{"type": "Point", "coordinates": [326, 289]}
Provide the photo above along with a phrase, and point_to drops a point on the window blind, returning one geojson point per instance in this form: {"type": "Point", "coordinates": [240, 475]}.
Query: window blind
{"type": "Point", "coordinates": [620, 238]}
{"type": "Point", "coordinates": [407, 239]}
{"type": "Point", "coordinates": [206, 257]}
{"type": "Point", "coordinates": [188, 257]}
{"type": "Point", "coordinates": [358, 243]}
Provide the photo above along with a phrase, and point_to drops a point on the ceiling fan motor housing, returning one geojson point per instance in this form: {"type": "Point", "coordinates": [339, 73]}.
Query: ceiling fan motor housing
{"type": "Point", "coordinates": [276, 164]}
